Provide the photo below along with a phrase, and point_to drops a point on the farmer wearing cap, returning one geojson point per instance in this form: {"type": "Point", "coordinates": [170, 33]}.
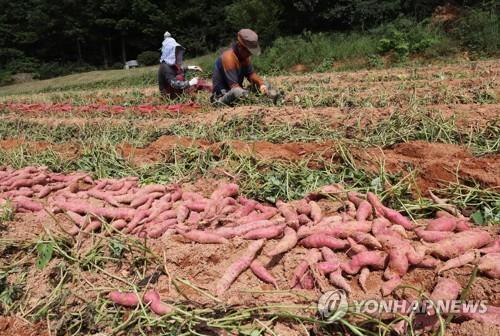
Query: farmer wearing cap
{"type": "Point", "coordinates": [171, 78]}
{"type": "Point", "coordinates": [233, 66]}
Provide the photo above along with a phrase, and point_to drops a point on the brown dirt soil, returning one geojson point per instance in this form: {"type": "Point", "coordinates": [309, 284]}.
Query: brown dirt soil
{"type": "Point", "coordinates": [435, 164]}
{"type": "Point", "coordinates": [13, 326]}
{"type": "Point", "coordinates": [67, 150]}
{"type": "Point", "coordinates": [466, 116]}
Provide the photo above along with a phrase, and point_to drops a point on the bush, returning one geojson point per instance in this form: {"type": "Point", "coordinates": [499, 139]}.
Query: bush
{"type": "Point", "coordinates": [478, 30]}
{"type": "Point", "coordinates": [406, 36]}
{"type": "Point", "coordinates": [148, 57]}
{"type": "Point", "coordinates": [55, 69]}
{"type": "Point", "coordinates": [315, 51]}
{"type": "Point", "coordinates": [6, 78]}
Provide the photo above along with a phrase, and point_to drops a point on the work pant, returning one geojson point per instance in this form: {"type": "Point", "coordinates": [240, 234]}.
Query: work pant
{"type": "Point", "coordinates": [231, 96]}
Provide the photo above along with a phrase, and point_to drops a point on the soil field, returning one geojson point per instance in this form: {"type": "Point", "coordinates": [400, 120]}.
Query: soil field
{"type": "Point", "coordinates": [384, 184]}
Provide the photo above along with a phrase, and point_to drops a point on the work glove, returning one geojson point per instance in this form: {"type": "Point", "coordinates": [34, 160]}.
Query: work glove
{"type": "Point", "coordinates": [263, 89]}
{"type": "Point", "coordinates": [194, 68]}
{"type": "Point", "coordinates": [193, 82]}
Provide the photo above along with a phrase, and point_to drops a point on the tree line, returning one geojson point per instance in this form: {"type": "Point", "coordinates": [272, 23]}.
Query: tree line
{"type": "Point", "coordinates": [103, 32]}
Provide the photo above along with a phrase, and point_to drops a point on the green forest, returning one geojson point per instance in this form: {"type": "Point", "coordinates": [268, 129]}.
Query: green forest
{"type": "Point", "coordinates": [52, 38]}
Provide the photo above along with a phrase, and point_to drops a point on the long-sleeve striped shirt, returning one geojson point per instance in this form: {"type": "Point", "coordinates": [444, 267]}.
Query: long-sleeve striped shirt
{"type": "Point", "coordinates": [230, 71]}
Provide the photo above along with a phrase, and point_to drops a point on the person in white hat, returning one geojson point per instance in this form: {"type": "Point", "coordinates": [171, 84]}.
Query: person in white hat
{"type": "Point", "coordinates": [171, 74]}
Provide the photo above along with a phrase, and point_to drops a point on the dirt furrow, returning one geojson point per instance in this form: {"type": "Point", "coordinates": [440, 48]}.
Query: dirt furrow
{"type": "Point", "coordinates": [434, 164]}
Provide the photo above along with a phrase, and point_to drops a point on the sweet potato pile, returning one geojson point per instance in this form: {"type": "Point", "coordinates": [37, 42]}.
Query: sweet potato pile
{"type": "Point", "coordinates": [371, 235]}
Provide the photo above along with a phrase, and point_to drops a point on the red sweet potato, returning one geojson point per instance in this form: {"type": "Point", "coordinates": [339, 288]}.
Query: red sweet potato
{"type": "Point", "coordinates": [225, 190]}
{"type": "Point", "coordinates": [312, 257]}
{"type": "Point", "coordinates": [321, 240]}
{"type": "Point", "coordinates": [354, 198]}
{"type": "Point", "coordinates": [81, 221]}
{"type": "Point", "coordinates": [229, 232]}
{"type": "Point", "coordinates": [445, 289]}
{"type": "Point", "coordinates": [46, 190]}
{"type": "Point", "coordinates": [182, 213]}
{"type": "Point", "coordinates": [339, 281]}
{"type": "Point", "coordinates": [289, 213]}
{"type": "Point", "coordinates": [336, 229]}
{"type": "Point", "coordinates": [204, 237]}
{"type": "Point", "coordinates": [118, 224]}
{"type": "Point", "coordinates": [316, 213]}
{"type": "Point", "coordinates": [380, 225]}
{"type": "Point", "coordinates": [247, 208]}
{"type": "Point", "coordinates": [160, 208]}
{"type": "Point", "coordinates": [461, 260]}
{"type": "Point", "coordinates": [460, 243]}
{"type": "Point", "coordinates": [397, 218]}
{"type": "Point", "coordinates": [23, 202]}
{"type": "Point", "coordinates": [197, 206]}
{"type": "Point", "coordinates": [176, 194]}
{"type": "Point", "coordinates": [432, 236]}
{"type": "Point", "coordinates": [375, 259]}
{"type": "Point", "coordinates": [304, 220]}
{"type": "Point", "coordinates": [127, 299]}
{"type": "Point", "coordinates": [138, 217]}
{"type": "Point", "coordinates": [355, 248]}
{"type": "Point", "coordinates": [236, 268]}
{"type": "Point", "coordinates": [378, 207]}
{"type": "Point", "coordinates": [267, 232]}
{"type": "Point", "coordinates": [267, 213]}
{"type": "Point", "coordinates": [147, 205]}
{"type": "Point", "coordinates": [152, 298]}
{"type": "Point", "coordinates": [142, 198]}
{"type": "Point", "coordinates": [366, 239]}
{"type": "Point", "coordinates": [327, 267]}
{"type": "Point", "coordinates": [493, 247]}
{"type": "Point", "coordinates": [428, 262]}
{"type": "Point", "coordinates": [364, 211]}
{"type": "Point", "coordinates": [490, 265]}
{"type": "Point", "coordinates": [262, 273]}
{"type": "Point", "coordinates": [159, 229]}
{"type": "Point", "coordinates": [302, 207]}
{"type": "Point", "coordinates": [26, 192]}
{"type": "Point", "coordinates": [442, 224]}
{"type": "Point", "coordinates": [29, 182]}
{"type": "Point", "coordinates": [104, 196]}
{"type": "Point", "coordinates": [287, 243]}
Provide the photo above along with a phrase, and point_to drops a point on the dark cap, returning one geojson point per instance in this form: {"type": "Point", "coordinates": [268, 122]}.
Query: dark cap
{"type": "Point", "coordinates": [250, 40]}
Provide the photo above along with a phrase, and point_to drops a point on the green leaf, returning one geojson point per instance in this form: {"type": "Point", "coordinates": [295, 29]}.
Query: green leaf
{"type": "Point", "coordinates": [477, 217]}
{"type": "Point", "coordinates": [45, 251]}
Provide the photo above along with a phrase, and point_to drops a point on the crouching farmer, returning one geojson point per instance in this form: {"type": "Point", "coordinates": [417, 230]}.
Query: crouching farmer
{"type": "Point", "coordinates": [233, 66]}
{"type": "Point", "coordinates": [171, 79]}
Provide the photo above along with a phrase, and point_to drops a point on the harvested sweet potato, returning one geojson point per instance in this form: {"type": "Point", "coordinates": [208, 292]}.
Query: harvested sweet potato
{"type": "Point", "coordinates": [235, 269]}
{"type": "Point", "coordinates": [287, 243]}
{"type": "Point", "coordinates": [262, 273]}
{"type": "Point", "coordinates": [321, 240]}
{"type": "Point", "coordinates": [460, 243]}
{"type": "Point", "coordinates": [375, 259]}
{"type": "Point", "coordinates": [152, 298]}
{"type": "Point", "coordinates": [127, 299]}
